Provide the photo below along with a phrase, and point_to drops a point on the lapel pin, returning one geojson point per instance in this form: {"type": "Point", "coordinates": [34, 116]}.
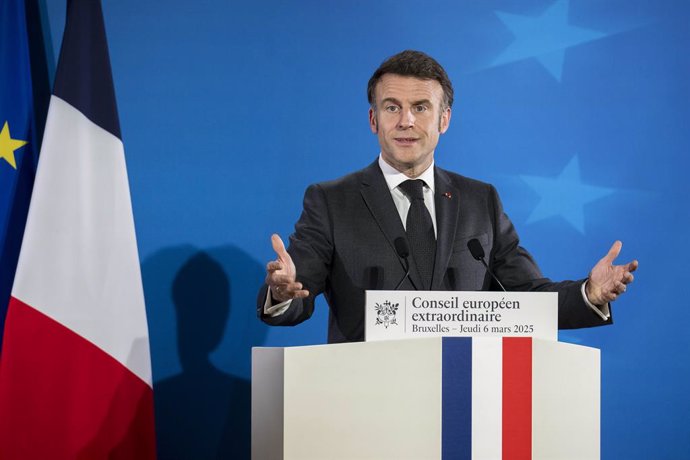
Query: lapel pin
{"type": "Point", "coordinates": [448, 195]}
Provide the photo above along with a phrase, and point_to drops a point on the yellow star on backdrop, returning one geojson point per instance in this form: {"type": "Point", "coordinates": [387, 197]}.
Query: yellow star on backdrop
{"type": "Point", "coordinates": [9, 145]}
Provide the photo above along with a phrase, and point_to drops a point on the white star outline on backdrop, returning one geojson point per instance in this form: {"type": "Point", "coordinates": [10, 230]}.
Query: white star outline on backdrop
{"type": "Point", "coordinates": [564, 195]}
{"type": "Point", "coordinates": [545, 37]}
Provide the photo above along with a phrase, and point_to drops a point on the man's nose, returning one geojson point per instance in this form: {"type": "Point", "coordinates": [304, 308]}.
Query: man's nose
{"type": "Point", "coordinates": [406, 119]}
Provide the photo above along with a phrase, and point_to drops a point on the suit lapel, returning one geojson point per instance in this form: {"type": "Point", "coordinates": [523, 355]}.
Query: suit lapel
{"type": "Point", "coordinates": [447, 200]}
{"type": "Point", "coordinates": [380, 203]}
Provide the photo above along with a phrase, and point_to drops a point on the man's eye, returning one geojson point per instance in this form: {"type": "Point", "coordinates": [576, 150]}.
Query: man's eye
{"type": "Point", "coordinates": [420, 108]}
{"type": "Point", "coordinates": [392, 108]}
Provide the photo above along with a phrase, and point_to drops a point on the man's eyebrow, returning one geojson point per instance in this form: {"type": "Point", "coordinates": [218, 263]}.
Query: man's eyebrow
{"type": "Point", "coordinates": [397, 102]}
{"type": "Point", "coordinates": [391, 99]}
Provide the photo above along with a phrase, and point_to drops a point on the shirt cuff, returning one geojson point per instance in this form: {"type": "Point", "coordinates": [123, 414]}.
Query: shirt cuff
{"type": "Point", "coordinates": [277, 309]}
{"type": "Point", "coordinates": [604, 311]}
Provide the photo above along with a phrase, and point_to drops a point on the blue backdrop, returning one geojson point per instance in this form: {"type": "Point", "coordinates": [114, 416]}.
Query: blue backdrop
{"type": "Point", "coordinates": [577, 110]}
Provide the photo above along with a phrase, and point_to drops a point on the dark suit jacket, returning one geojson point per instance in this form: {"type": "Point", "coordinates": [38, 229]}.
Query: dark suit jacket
{"type": "Point", "coordinates": [343, 245]}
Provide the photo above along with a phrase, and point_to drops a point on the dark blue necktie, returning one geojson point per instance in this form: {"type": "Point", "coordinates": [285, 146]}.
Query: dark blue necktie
{"type": "Point", "coordinates": [420, 230]}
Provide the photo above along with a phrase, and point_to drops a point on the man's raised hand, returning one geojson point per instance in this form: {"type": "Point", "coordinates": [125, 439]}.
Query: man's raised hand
{"type": "Point", "coordinates": [281, 275]}
{"type": "Point", "coordinates": [608, 281]}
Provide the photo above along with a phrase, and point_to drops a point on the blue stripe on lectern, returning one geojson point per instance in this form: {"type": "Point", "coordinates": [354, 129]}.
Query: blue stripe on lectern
{"type": "Point", "coordinates": [456, 409]}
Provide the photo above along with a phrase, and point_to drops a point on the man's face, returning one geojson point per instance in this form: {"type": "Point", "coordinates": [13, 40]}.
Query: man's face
{"type": "Point", "coordinates": [409, 118]}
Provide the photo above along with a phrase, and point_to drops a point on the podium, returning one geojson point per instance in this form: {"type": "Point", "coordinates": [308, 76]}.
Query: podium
{"type": "Point", "coordinates": [427, 398]}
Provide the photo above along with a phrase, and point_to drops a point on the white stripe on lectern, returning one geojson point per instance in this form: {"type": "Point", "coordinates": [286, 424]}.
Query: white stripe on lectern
{"type": "Point", "coordinates": [487, 400]}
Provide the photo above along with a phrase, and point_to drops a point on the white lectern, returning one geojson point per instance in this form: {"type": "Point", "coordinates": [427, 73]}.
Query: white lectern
{"type": "Point", "coordinates": [427, 398]}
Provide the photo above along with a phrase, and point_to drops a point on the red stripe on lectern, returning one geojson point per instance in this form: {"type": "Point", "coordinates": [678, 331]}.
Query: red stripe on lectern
{"type": "Point", "coordinates": [517, 398]}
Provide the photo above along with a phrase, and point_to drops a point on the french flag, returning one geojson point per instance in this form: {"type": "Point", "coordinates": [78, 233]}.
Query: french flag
{"type": "Point", "coordinates": [75, 370]}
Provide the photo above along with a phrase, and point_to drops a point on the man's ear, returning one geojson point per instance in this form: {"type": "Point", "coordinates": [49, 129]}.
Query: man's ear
{"type": "Point", "coordinates": [372, 121]}
{"type": "Point", "coordinates": [444, 122]}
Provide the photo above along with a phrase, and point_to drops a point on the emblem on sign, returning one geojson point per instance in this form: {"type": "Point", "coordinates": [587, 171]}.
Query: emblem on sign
{"type": "Point", "coordinates": [386, 313]}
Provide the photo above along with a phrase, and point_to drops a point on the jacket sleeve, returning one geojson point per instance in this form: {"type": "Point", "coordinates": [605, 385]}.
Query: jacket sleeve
{"type": "Point", "coordinates": [311, 249]}
{"type": "Point", "coordinates": [518, 271]}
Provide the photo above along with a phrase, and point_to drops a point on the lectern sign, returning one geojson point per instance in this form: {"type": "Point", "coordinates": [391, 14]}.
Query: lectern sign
{"type": "Point", "coordinates": [405, 314]}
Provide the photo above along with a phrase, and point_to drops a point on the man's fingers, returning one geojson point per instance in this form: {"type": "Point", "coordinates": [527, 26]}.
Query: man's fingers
{"type": "Point", "coordinates": [273, 266]}
{"type": "Point", "coordinates": [295, 290]}
{"type": "Point", "coordinates": [283, 295]}
{"type": "Point", "coordinates": [286, 291]}
{"type": "Point", "coordinates": [628, 278]}
{"type": "Point", "coordinates": [632, 266]}
{"type": "Point", "coordinates": [279, 246]}
{"type": "Point", "coordinates": [296, 286]}
{"type": "Point", "coordinates": [301, 294]}
{"type": "Point", "coordinates": [281, 275]}
{"type": "Point", "coordinates": [280, 279]}
{"type": "Point", "coordinates": [613, 252]}
{"type": "Point", "coordinates": [620, 288]}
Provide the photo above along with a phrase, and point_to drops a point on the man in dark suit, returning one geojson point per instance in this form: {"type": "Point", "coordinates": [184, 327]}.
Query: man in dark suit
{"type": "Point", "coordinates": [348, 238]}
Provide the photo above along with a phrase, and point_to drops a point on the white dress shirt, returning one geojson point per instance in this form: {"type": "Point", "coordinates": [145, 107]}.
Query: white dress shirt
{"type": "Point", "coordinates": [402, 203]}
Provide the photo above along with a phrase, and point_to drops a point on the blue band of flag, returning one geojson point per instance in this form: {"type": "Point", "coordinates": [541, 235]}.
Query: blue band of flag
{"type": "Point", "coordinates": [83, 78]}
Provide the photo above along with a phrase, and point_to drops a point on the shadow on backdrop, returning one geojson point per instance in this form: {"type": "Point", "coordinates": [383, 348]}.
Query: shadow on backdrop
{"type": "Point", "coordinates": [202, 324]}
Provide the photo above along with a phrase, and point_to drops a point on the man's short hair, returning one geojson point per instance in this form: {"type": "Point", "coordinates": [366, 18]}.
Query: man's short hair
{"type": "Point", "coordinates": [410, 63]}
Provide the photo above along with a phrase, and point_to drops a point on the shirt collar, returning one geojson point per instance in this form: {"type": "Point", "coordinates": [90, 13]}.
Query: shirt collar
{"type": "Point", "coordinates": [394, 177]}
